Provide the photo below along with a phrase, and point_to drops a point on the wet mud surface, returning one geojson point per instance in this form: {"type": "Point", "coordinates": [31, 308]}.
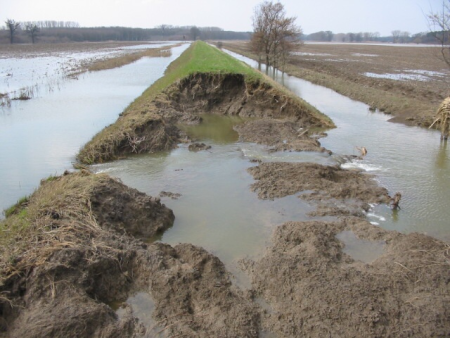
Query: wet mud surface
{"type": "Point", "coordinates": [311, 288]}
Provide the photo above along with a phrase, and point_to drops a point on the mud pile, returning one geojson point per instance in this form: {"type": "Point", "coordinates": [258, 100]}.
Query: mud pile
{"type": "Point", "coordinates": [78, 256]}
{"type": "Point", "coordinates": [310, 288]}
{"type": "Point", "coordinates": [336, 191]}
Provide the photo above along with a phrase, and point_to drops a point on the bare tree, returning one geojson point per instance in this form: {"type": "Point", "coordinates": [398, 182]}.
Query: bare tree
{"type": "Point", "coordinates": [195, 33]}
{"type": "Point", "coordinates": [32, 30]}
{"type": "Point", "coordinates": [274, 34]}
{"type": "Point", "coordinates": [12, 26]}
{"type": "Point", "coordinates": [440, 26]}
{"type": "Point", "coordinates": [396, 36]}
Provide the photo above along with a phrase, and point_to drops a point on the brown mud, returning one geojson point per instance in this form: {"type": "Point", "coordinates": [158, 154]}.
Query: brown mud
{"type": "Point", "coordinates": [153, 127]}
{"type": "Point", "coordinates": [336, 191]}
{"type": "Point", "coordinates": [311, 288]}
{"type": "Point", "coordinates": [75, 265]}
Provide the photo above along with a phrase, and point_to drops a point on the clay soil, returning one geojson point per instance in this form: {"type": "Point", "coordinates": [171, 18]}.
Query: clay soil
{"type": "Point", "coordinates": [412, 100]}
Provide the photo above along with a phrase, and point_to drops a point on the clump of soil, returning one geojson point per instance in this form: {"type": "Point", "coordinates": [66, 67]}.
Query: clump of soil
{"type": "Point", "coordinates": [69, 253]}
{"type": "Point", "coordinates": [329, 185]}
{"type": "Point", "coordinates": [312, 289]}
{"type": "Point", "coordinates": [196, 146]}
{"type": "Point", "coordinates": [279, 135]}
{"type": "Point", "coordinates": [172, 195]}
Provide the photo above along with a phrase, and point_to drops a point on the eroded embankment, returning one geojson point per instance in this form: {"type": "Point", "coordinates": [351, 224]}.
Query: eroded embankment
{"type": "Point", "coordinates": [150, 125]}
{"type": "Point", "coordinates": [74, 249]}
{"type": "Point", "coordinates": [336, 191]}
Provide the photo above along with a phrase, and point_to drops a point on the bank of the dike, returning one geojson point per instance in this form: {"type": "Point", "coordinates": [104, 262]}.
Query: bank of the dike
{"type": "Point", "coordinates": [81, 244]}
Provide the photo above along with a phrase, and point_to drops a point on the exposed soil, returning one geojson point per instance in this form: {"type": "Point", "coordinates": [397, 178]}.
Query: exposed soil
{"type": "Point", "coordinates": [152, 127]}
{"type": "Point", "coordinates": [408, 82]}
{"type": "Point", "coordinates": [310, 288]}
{"type": "Point", "coordinates": [338, 191]}
{"type": "Point", "coordinates": [198, 146]}
{"type": "Point", "coordinates": [279, 135]}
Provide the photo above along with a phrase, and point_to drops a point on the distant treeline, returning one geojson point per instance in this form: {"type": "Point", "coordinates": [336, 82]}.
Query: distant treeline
{"type": "Point", "coordinates": [397, 36]}
{"type": "Point", "coordinates": [49, 31]}
{"type": "Point", "coordinates": [64, 31]}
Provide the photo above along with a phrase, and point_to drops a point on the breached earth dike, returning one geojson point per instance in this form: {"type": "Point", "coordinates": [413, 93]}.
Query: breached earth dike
{"type": "Point", "coordinates": [80, 244]}
{"type": "Point", "coordinates": [150, 123]}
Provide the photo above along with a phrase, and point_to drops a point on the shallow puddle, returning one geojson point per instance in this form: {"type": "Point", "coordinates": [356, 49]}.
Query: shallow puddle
{"type": "Point", "coordinates": [141, 306]}
{"type": "Point", "coordinates": [361, 249]}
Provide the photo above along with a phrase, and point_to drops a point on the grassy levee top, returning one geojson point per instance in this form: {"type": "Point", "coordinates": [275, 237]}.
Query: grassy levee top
{"type": "Point", "coordinates": [148, 123]}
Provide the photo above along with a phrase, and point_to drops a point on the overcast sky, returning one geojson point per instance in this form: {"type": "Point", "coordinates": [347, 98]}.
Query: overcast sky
{"type": "Point", "coordinates": [338, 16]}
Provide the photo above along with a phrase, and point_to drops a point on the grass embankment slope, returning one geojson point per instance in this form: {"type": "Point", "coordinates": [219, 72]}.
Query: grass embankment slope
{"type": "Point", "coordinates": [143, 124]}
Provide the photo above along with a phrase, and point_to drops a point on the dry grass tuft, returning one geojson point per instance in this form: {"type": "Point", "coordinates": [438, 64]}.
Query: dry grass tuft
{"type": "Point", "coordinates": [57, 215]}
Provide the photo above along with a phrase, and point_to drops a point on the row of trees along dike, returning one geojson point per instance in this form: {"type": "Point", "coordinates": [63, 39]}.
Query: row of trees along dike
{"type": "Point", "coordinates": [68, 31]}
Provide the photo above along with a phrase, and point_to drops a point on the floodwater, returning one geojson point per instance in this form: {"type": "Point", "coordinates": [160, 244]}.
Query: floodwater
{"type": "Point", "coordinates": [409, 160]}
{"type": "Point", "coordinates": [216, 209]}
{"type": "Point", "coordinates": [41, 137]}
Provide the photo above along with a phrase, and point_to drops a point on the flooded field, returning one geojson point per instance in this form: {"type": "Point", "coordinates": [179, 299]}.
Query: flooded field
{"type": "Point", "coordinates": [28, 71]}
{"type": "Point", "coordinates": [40, 137]}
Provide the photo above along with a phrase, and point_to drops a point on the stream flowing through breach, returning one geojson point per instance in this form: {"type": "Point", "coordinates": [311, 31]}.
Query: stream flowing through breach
{"type": "Point", "coordinates": [215, 208]}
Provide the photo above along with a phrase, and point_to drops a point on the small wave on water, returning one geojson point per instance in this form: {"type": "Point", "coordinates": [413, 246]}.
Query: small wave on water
{"type": "Point", "coordinates": [361, 164]}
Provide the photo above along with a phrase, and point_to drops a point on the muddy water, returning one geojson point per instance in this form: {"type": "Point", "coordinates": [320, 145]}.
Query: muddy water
{"type": "Point", "coordinates": [216, 209]}
{"type": "Point", "coordinates": [409, 160]}
{"type": "Point", "coordinates": [41, 136]}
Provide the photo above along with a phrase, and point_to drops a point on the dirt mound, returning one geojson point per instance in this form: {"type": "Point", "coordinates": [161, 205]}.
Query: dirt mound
{"type": "Point", "coordinates": [279, 135]}
{"type": "Point", "coordinates": [339, 191]}
{"type": "Point", "coordinates": [76, 257]}
{"type": "Point", "coordinates": [311, 288]}
{"type": "Point", "coordinates": [129, 211]}
{"type": "Point", "coordinates": [196, 146]}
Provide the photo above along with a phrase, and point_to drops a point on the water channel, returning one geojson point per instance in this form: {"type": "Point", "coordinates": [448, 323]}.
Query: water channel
{"type": "Point", "coordinates": [216, 209]}
{"type": "Point", "coordinates": [41, 136]}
